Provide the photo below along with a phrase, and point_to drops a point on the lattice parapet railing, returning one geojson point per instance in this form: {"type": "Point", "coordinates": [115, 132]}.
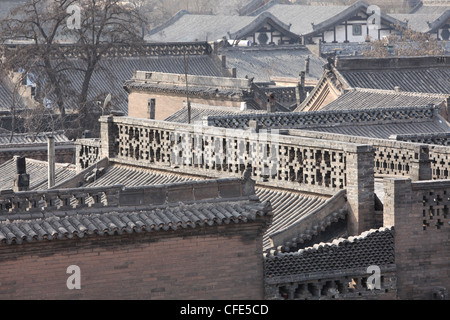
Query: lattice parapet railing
{"type": "Point", "coordinates": [278, 160]}
{"type": "Point", "coordinates": [435, 203]}
{"type": "Point", "coordinates": [442, 139]}
{"type": "Point", "coordinates": [305, 119]}
{"type": "Point", "coordinates": [148, 49]}
{"type": "Point", "coordinates": [338, 269]}
{"type": "Point", "coordinates": [88, 152]}
{"type": "Point", "coordinates": [339, 286]}
{"type": "Point", "coordinates": [283, 94]}
{"type": "Point", "coordinates": [396, 158]}
{"type": "Point", "coordinates": [440, 162]}
{"type": "Point", "coordinates": [394, 161]}
{"type": "Point", "coordinates": [58, 199]}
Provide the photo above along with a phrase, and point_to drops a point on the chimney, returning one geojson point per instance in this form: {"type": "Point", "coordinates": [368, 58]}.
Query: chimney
{"type": "Point", "coordinates": [51, 161]}
{"type": "Point", "coordinates": [271, 102]}
{"type": "Point", "coordinates": [397, 89]}
{"type": "Point", "coordinates": [253, 126]}
{"type": "Point", "coordinates": [22, 179]}
{"type": "Point", "coordinates": [300, 89]}
{"type": "Point", "coordinates": [307, 61]}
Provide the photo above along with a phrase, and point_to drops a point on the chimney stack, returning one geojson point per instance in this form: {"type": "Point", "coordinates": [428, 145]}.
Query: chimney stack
{"type": "Point", "coordinates": [51, 161]}
{"type": "Point", "coordinates": [300, 89]}
{"type": "Point", "coordinates": [271, 102]}
{"type": "Point", "coordinates": [397, 89]}
{"type": "Point", "coordinates": [22, 179]}
{"type": "Point", "coordinates": [307, 62]}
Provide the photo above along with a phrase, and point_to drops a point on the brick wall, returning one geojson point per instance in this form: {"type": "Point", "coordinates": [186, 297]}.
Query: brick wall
{"type": "Point", "coordinates": [223, 262]}
{"type": "Point", "coordinates": [62, 155]}
{"type": "Point", "coordinates": [166, 105]}
{"type": "Point", "coordinates": [419, 211]}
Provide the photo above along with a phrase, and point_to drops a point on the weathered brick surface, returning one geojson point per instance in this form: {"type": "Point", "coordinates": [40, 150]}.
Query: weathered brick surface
{"type": "Point", "coordinates": [223, 262]}
{"type": "Point", "coordinates": [166, 105]}
{"type": "Point", "coordinates": [422, 253]}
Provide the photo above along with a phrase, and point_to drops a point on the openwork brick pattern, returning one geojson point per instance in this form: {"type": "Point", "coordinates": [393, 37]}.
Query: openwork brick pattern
{"type": "Point", "coordinates": [35, 203]}
{"type": "Point", "coordinates": [393, 161]}
{"type": "Point", "coordinates": [283, 94]}
{"type": "Point", "coordinates": [305, 119]}
{"type": "Point", "coordinates": [354, 286]}
{"type": "Point", "coordinates": [442, 139]}
{"type": "Point", "coordinates": [440, 163]}
{"type": "Point", "coordinates": [148, 49]}
{"type": "Point", "coordinates": [436, 204]}
{"type": "Point", "coordinates": [394, 158]}
{"type": "Point", "coordinates": [214, 151]}
{"type": "Point", "coordinates": [88, 153]}
{"type": "Point", "coordinates": [375, 247]}
{"type": "Point", "coordinates": [331, 269]}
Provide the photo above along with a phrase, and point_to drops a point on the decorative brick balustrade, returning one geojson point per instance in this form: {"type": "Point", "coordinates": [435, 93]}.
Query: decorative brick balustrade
{"type": "Point", "coordinates": [336, 270]}
{"type": "Point", "coordinates": [147, 49]}
{"type": "Point", "coordinates": [275, 159]}
{"type": "Point", "coordinates": [310, 165]}
{"type": "Point", "coordinates": [88, 152]}
{"type": "Point", "coordinates": [442, 139]}
{"type": "Point", "coordinates": [34, 204]}
{"type": "Point", "coordinates": [397, 158]}
{"type": "Point", "coordinates": [419, 211]}
{"type": "Point", "coordinates": [294, 120]}
{"type": "Point", "coordinates": [283, 95]}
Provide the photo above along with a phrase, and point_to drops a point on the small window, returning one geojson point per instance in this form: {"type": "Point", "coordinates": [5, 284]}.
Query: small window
{"type": "Point", "coordinates": [357, 30]}
{"type": "Point", "coordinates": [151, 108]}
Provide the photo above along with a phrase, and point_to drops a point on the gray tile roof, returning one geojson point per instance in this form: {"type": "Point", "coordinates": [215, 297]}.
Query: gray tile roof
{"type": "Point", "coordinates": [200, 111]}
{"type": "Point", "coordinates": [38, 171]}
{"type": "Point", "coordinates": [301, 17]}
{"type": "Point", "coordinates": [32, 138]}
{"type": "Point", "coordinates": [384, 131]}
{"type": "Point", "coordinates": [264, 63]}
{"type": "Point", "coordinates": [114, 72]}
{"type": "Point", "coordinates": [212, 27]}
{"type": "Point", "coordinates": [130, 176]}
{"type": "Point", "coordinates": [420, 22]}
{"type": "Point", "coordinates": [60, 225]}
{"type": "Point", "coordinates": [431, 9]}
{"type": "Point", "coordinates": [6, 6]}
{"type": "Point", "coordinates": [288, 208]}
{"type": "Point", "coordinates": [310, 19]}
{"type": "Point", "coordinates": [196, 27]}
{"type": "Point", "coordinates": [6, 97]}
{"type": "Point", "coordinates": [373, 247]}
{"type": "Point", "coordinates": [369, 99]}
{"type": "Point", "coordinates": [430, 80]}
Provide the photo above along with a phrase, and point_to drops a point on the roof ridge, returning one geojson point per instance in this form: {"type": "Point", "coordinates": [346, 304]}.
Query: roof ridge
{"type": "Point", "coordinates": [405, 93]}
{"type": "Point", "coordinates": [337, 242]}
{"type": "Point", "coordinates": [118, 222]}
{"type": "Point", "coordinates": [177, 16]}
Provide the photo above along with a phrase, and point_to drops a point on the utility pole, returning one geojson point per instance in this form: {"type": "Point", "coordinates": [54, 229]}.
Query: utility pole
{"type": "Point", "coordinates": [187, 87]}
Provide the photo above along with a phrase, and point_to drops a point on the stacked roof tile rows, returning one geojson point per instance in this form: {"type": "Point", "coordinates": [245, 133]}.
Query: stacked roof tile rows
{"type": "Point", "coordinates": [54, 226]}
{"type": "Point", "coordinates": [371, 98]}
{"type": "Point", "coordinates": [118, 174]}
{"type": "Point", "coordinates": [431, 80]}
{"type": "Point", "coordinates": [200, 111]}
{"type": "Point", "coordinates": [374, 247]}
{"type": "Point", "coordinates": [38, 171]}
{"type": "Point", "coordinates": [113, 72]}
{"type": "Point", "coordinates": [289, 207]}
{"type": "Point", "coordinates": [266, 63]}
{"type": "Point", "coordinates": [27, 138]}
